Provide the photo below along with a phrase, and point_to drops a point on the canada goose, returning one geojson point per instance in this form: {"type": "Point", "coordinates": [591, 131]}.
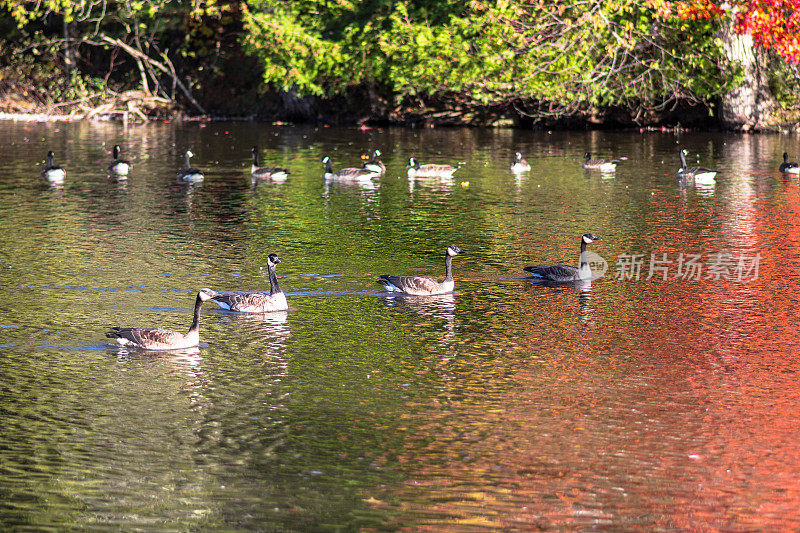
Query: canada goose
{"type": "Point", "coordinates": [519, 164]}
{"type": "Point", "coordinates": [163, 339]}
{"type": "Point", "coordinates": [566, 273]}
{"type": "Point", "coordinates": [188, 172]}
{"type": "Point", "coordinates": [53, 172]}
{"type": "Point", "coordinates": [254, 301]}
{"type": "Point", "coordinates": [264, 173]}
{"type": "Point", "coordinates": [118, 166]}
{"type": "Point", "coordinates": [374, 164]}
{"type": "Point", "coordinates": [604, 165]}
{"type": "Point", "coordinates": [346, 173]}
{"type": "Point", "coordinates": [415, 170]}
{"type": "Point", "coordinates": [421, 285]}
{"type": "Point", "coordinates": [694, 174]}
{"type": "Point", "coordinates": [789, 167]}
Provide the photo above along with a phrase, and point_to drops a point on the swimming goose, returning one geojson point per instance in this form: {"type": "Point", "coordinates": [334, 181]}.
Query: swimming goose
{"type": "Point", "coordinates": [188, 172]}
{"type": "Point", "coordinates": [789, 167]}
{"type": "Point", "coordinates": [163, 339]}
{"type": "Point", "coordinates": [118, 166]}
{"type": "Point", "coordinates": [346, 173]}
{"type": "Point", "coordinates": [694, 174]}
{"type": "Point", "coordinates": [53, 172]}
{"type": "Point", "coordinates": [566, 273]}
{"type": "Point", "coordinates": [605, 165]}
{"type": "Point", "coordinates": [415, 170]}
{"type": "Point", "coordinates": [254, 301]}
{"type": "Point", "coordinates": [374, 164]}
{"type": "Point", "coordinates": [519, 164]}
{"type": "Point", "coordinates": [264, 173]}
{"type": "Point", "coordinates": [421, 285]}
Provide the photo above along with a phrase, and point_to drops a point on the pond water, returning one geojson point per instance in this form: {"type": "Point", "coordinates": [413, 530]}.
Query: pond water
{"type": "Point", "coordinates": [664, 395]}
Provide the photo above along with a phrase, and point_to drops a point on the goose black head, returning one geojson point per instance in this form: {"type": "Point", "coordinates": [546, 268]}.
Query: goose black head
{"type": "Point", "coordinates": [785, 157]}
{"type": "Point", "coordinates": [51, 154]}
{"type": "Point", "coordinates": [376, 153]}
{"type": "Point", "coordinates": [325, 159]}
{"type": "Point", "coordinates": [273, 259]}
{"type": "Point", "coordinates": [589, 238]}
{"type": "Point", "coordinates": [206, 294]}
{"type": "Point", "coordinates": [454, 250]}
{"type": "Point", "coordinates": [189, 153]}
{"type": "Point", "coordinates": [587, 155]}
{"type": "Point", "coordinates": [116, 151]}
{"type": "Point", "coordinates": [413, 163]}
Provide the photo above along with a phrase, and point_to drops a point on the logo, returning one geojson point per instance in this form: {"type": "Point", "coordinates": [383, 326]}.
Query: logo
{"type": "Point", "coordinates": [597, 264]}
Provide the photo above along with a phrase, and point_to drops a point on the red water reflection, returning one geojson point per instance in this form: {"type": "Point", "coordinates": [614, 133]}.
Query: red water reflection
{"type": "Point", "coordinates": [673, 406]}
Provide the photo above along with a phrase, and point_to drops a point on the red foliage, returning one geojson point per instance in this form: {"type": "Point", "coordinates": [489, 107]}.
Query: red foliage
{"type": "Point", "coordinates": [698, 9]}
{"type": "Point", "coordinates": [773, 24]}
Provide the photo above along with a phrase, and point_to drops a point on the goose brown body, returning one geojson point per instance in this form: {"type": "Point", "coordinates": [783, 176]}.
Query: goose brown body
{"type": "Point", "coordinates": [374, 164]}
{"type": "Point", "coordinates": [566, 273]}
{"type": "Point", "coordinates": [417, 170]}
{"type": "Point", "coordinates": [591, 163]}
{"type": "Point", "coordinates": [189, 173]}
{"type": "Point", "coordinates": [263, 173]}
{"type": "Point", "coordinates": [346, 173]}
{"type": "Point", "coordinates": [118, 166]}
{"type": "Point", "coordinates": [423, 285]}
{"type": "Point", "coordinates": [160, 338]}
{"type": "Point", "coordinates": [256, 301]}
{"type": "Point", "coordinates": [691, 175]}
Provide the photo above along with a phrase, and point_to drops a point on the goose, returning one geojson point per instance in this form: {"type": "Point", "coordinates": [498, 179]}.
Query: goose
{"type": "Point", "coordinates": [566, 273]}
{"type": "Point", "coordinates": [789, 167]}
{"type": "Point", "coordinates": [694, 174]}
{"type": "Point", "coordinates": [264, 173]}
{"type": "Point", "coordinates": [604, 165]}
{"type": "Point", "coordinates": [374, 164]}
{"type": "Point", "coordinates": [254, 301]}
{"type": "Point", "coordinates": [53, 172]}
{"type": "Point", "coordinates": [189, 173]}
{"type": "Point", "coordinates": [415, 170]}
{"type": "Point", "coordinates": [163, 339]}
{"type": "Point", "coordinates": [421, 285]}
{"type": "Point", "coordinates": [519, 164]}
{"type": "Point", "coordinates": [118, 166]}
{"type": "Point", "coordinates": [346, 173]}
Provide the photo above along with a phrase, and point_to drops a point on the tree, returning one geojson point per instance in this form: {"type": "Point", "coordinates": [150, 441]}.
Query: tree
{"type": "Point", "coordinates": [746, 27]}
{"type": "Point", "coordinates": [542, 58]}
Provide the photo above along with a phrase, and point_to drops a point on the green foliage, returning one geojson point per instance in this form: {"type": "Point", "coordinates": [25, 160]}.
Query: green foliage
{"type": "Point", "coordinates": [571, 53]}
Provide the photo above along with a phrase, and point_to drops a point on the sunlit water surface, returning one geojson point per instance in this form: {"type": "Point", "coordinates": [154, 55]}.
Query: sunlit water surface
{"type": "Point", "coordinates": [630, 403]}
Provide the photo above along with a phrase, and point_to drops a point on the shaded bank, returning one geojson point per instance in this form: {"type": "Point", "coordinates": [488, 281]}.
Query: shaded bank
{"type": "Point", "coordinates": [575, 64]}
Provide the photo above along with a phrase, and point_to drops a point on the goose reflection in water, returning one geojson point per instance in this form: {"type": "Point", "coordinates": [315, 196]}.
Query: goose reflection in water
{"type": "Point", "coordinates": [188, 359]}
{"type": "Point", "coordinates": [432, 184]}
{"type": "Point", "coordinates": [268, 331]}
{"type": "Point", "coordinates": [582, 288]}
{"type": "Point", "coordinates": [440, 307]}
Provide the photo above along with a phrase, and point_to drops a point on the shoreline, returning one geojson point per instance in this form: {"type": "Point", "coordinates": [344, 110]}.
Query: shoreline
{"type": "Point", "coordinates": [784, 129]}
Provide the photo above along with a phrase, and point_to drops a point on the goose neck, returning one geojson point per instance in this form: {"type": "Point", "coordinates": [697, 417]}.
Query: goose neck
{"type": "Point", "coordinates": [274, 288]}
{"type": "Point", "coordinates": [255, 158]}
{"type": "Point", "coordinates": [583, 261]}
{"type": "Point", "coordinates": [448, 267]}
{"type": "Point", "coordinates": [196, 320]}
{"type": "Point", "coordinates": [186, 162]}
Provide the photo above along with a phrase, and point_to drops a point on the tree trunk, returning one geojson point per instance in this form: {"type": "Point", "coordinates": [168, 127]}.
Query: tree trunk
{"type": "Point", "coordinates": [749, 105]}
{"type": "Point", "coordinates": [69, 47]}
